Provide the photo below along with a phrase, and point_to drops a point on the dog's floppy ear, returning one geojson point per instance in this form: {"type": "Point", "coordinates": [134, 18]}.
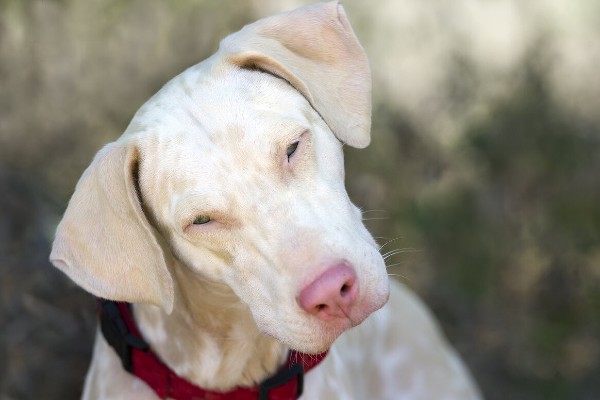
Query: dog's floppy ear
{"type": "Point", "coordinates": [105, 242]}
{"type": "Point", "coordinates": [316, 51]}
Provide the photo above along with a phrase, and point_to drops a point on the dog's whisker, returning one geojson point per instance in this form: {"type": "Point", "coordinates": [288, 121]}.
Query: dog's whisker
{"type": "Point", "coordinates": [398, 251]}
{"type": "Point", "coordinates": [388, 242]}
{"type": "Point", "coordinates": [375, 218]}
{"type": "Point", "coordinates": [398, 264]}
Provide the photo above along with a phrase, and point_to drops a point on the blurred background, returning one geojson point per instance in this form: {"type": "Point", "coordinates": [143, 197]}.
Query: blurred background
{"type": "Point", "coordinates": [484, 168]}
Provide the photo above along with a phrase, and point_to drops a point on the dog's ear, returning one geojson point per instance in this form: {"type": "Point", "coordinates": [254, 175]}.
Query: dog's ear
{"type": "Point", "coordinates": [105, 242]}
{"type": "Point", "coordinates": [316, 51]}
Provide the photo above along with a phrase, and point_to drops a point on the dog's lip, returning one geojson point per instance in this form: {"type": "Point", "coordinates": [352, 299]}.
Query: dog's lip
{"type": "Point", "coordinates": [330, 335]}
{"type": "Point", "coordinates": [330, 331]}
{"type": "Point", "coordinates": [368, 306]}
{"type": "Point", "coordinates": [359, 318]}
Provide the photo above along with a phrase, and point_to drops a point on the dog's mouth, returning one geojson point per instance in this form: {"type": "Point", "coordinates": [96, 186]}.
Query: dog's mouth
{"type": "Point", "coordinates": [332, 329]}
{"type": "Point", "coordinates": [315, 336]}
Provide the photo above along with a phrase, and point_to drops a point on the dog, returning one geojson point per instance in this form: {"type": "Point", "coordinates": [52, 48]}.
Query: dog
{"type": "Point", "coordinates": [221, 217]}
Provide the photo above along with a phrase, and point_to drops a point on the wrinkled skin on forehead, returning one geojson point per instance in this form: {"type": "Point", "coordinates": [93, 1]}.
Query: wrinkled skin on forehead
{"type": "Point", "coordinates": [276, 223]}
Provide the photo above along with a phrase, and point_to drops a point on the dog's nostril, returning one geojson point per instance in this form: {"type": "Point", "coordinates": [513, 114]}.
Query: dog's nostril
{"type": "Point", "coordinates": [321, 307]}
{"type": "Point", "coordinates": [344, 289]}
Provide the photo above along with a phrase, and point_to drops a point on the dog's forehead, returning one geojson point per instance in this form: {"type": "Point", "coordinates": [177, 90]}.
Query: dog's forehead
{"type": "Point", "coordinates": [238, 107]}
{"type": "Point", "coordinates": [200, 128]}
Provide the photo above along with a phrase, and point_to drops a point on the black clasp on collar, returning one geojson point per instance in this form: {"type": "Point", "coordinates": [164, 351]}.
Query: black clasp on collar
{"type": "Point", "coordinates": [282, 378]}
{"type": "Point", "coordinates": [116, 333]}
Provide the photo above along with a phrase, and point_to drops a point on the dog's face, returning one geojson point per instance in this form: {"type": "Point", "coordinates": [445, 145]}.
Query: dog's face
{"type": "Point", "coordinates": [237, 164]}
{"type": "Point", "coordinates": [254, 197]}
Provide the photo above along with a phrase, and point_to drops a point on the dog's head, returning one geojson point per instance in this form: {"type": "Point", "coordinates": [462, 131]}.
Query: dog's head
{"type": "Point", "coordinates": [237, 166]}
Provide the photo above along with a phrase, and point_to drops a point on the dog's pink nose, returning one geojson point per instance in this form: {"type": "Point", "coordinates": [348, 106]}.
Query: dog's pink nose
{"type": "Point", "coordinates": [332, 294]}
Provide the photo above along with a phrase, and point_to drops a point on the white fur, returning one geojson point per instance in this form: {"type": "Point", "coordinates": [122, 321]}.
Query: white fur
{"type": "Point", "coordinates": [218, 301]}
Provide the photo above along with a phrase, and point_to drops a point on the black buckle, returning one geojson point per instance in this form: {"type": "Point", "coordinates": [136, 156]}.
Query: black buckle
{"type": "Point", "coordinates": [117, 334]}
{"type": "Point", "coordinates": [280, 379]}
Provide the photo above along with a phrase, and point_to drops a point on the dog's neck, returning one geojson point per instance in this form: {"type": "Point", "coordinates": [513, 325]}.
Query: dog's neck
{"type": "Point", "coordinates": [210, 338]}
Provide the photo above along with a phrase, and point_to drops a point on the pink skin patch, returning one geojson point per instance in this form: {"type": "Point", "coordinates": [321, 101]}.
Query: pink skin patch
{"type": "Point", "coordinates": [331, 295]}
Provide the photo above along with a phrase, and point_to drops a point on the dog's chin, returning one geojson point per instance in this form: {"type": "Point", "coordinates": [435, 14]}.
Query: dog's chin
{"type": "Point", "coordinates": [322, 337]}
{"type": "Point", "coordinates": [322, 334]}
{"type": "Point", "coordinates": [312, 338]}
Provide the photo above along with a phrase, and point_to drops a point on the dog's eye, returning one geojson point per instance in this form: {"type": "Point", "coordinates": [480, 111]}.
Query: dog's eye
{"type": "Point", "coordinates": [292, 149]}
{"type": "Point", "coordinates": [201, 220]}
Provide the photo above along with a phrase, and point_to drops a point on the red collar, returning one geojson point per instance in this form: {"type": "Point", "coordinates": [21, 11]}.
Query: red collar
{"type": "Point", "coordinates": [121, 332]}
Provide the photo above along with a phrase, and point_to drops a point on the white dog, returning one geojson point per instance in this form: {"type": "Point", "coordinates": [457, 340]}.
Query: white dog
{"type": "Point", "coordinates": [222, 214]}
